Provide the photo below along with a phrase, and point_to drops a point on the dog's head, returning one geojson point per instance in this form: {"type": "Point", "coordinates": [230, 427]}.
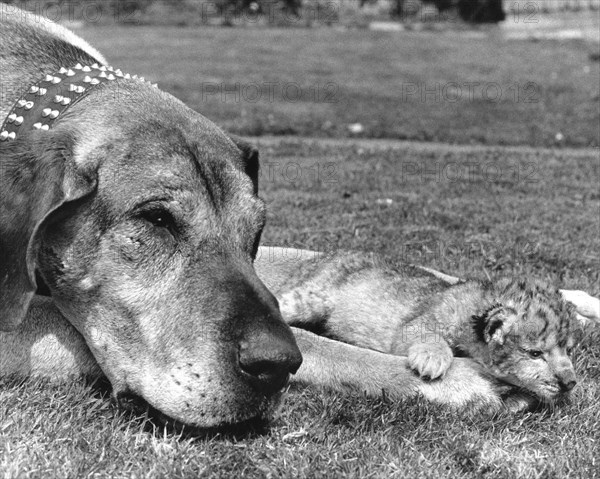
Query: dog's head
{"type": "Point", "coordinates": [143, 219]}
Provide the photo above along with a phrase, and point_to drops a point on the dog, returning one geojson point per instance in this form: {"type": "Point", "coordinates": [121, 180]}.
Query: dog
{"type": "Point", "coordinates": [141, 221]}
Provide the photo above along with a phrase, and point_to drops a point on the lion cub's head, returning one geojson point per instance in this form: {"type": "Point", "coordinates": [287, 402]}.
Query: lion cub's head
{"type": "Point", "coordinates": [529, 332]}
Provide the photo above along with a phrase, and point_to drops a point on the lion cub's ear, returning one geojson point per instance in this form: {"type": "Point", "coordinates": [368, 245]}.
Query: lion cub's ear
{"type": "Point", "coordinates": [498, 323]}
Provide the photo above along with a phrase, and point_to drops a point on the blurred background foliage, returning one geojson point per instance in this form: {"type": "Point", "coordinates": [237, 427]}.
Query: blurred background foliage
{"type": "Point", "coordinates": [290, 12]}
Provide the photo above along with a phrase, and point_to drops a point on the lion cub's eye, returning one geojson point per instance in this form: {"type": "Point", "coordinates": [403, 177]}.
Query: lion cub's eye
{"type": "Point", "coordinates": [535, 353]}
{"type": "Point", "coordinates": [569, 350]}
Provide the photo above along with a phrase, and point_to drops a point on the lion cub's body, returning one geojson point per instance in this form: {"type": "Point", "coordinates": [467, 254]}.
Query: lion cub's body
{"type": "Point", "coordinates": [517, 331]}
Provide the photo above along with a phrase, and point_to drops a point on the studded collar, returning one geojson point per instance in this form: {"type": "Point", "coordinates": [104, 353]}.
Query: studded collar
{"type": "Point", "coordinates": [45, 101]}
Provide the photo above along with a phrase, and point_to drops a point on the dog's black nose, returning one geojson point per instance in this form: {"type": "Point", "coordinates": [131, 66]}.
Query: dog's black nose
{"type": "Point", "coordinates": [268, 358]}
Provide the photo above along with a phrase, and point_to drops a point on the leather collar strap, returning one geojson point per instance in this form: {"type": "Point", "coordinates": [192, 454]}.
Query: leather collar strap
{"type": "Point", "coordinates": [44, 102]}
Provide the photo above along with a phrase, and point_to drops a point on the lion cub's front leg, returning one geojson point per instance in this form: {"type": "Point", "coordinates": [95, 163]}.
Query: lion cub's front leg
{"type": "Point", "coordinates": [422, 340]}
{"type": "Point", "coordinates": [430, 360]}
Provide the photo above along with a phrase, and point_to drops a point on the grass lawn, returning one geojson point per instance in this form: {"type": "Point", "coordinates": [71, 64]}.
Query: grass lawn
{"type": "Point", "coordinates": [518, 211]}
{"type": "Point", "coordinates": [467, 210]}
{"type": "Point", "coordinates": [428, 86]}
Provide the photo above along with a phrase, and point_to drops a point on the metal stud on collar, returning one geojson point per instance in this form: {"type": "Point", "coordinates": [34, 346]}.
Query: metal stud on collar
{"type": "Point", "coordinates": [47, 100]}
{"type": "Point", "coordinates": [5, 135]}
{"type": "Point", "coordinates": [13, 118]}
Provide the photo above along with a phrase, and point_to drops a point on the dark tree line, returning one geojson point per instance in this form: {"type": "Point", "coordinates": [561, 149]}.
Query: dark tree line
{"type": "Point", "coordinates": [474, 11]}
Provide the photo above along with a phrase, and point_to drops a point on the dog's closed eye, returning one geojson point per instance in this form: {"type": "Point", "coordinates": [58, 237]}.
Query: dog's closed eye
{"type": "Point", "coordinates": [159, 217]}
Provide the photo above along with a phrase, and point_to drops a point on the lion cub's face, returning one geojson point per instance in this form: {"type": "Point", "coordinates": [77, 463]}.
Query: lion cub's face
{"type": "Point", "coordinates": [529, 334]}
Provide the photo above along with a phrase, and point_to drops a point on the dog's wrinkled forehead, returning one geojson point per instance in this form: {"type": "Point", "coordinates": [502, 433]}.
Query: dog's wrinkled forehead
{"type": "Point", "coordinates": [145, 145]}
{"type": "Point", "coordinates": [156, 161]}
{"type": "Point", "coordinates": [132, 126]}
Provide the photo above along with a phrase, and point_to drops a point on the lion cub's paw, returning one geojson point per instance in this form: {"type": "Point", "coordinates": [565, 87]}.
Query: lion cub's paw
{"type": "Point", "coordinates": [430, 360]}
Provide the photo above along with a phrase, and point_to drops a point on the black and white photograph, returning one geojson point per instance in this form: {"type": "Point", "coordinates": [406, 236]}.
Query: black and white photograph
{"type": "Point", "coordinates": [300, 239]}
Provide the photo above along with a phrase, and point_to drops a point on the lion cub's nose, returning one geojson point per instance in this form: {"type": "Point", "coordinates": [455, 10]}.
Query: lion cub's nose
{"type": "Point", "coordinates": [566, 386]}
{"type": "Point", "coordinates": [268, 358]}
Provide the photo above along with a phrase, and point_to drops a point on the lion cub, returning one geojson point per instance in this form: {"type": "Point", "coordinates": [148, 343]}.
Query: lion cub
{"type": "Point", "coordinates": [520, 331]}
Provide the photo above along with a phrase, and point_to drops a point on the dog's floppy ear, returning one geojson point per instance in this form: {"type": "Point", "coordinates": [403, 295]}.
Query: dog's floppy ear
{"type": "Point", "coordinates": [250, 159]}
{"type": "Point", "coordinates": [37, 176]}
